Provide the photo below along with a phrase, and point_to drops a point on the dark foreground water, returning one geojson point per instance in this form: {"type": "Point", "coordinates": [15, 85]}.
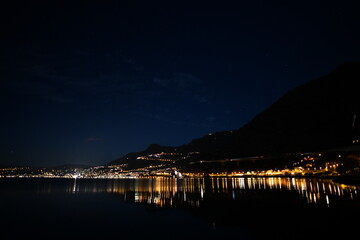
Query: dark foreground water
{"type": "Point", "coordinates": [167, 208]}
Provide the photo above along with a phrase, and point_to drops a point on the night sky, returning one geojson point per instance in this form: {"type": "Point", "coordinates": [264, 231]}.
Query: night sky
{"type": "Point", "coordinates": [88, 82]}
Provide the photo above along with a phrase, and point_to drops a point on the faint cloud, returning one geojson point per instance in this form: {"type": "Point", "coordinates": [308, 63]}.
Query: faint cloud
{"type": "Point", "coordinates": [94, 139]}
{"type": "Point", "coordinates": [179, 80]}
{"type": "Point", "coordinates": [53, 77]}
{"type": "Point", "coordinates": [200, 99]}
{"type": "Point", "coordinates": [209, 122]}
{"type": "Point", "coordinates": [210, 119]}
{"type": "Point", "coordinates": [188, 121]}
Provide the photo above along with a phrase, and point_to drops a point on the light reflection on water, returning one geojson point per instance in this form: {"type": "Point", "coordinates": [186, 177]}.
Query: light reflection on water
{"type": "Point", "coordinates": [204, 208]}
{"type": "Point", "coordinates": [169, 192]}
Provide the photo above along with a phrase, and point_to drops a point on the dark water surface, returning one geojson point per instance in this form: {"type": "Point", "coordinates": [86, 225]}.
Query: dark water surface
{"type": "Point", "coordinates": [168, 208]}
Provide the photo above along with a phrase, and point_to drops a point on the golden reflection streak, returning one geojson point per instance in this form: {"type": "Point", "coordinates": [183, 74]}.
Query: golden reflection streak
{"type": "Point", "coordinates": [165, 191]}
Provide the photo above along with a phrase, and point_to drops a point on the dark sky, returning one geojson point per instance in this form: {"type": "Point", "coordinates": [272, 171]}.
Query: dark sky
{"type": "Point", "coordinates": [87, 82]}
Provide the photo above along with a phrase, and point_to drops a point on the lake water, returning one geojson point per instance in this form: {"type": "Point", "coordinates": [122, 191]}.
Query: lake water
{"type": "Point", "coordinates": [169, 208]}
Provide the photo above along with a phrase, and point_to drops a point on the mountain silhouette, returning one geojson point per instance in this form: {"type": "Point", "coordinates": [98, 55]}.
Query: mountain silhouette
{"type": "Point", "coordinates": [321, 114]}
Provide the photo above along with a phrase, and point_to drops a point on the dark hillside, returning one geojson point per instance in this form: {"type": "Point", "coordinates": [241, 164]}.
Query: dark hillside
{"type": "Point", "coordinates": [321, 114]}
{"type": "Point", "coordinates": [315, 116]}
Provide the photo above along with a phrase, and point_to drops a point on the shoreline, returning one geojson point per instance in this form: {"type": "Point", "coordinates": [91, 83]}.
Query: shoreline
{"type": "Point", "coordinates": [348, 180]}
